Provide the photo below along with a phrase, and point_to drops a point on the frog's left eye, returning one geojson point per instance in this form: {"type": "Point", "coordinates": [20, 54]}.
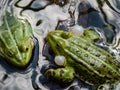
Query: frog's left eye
{"type": "Point", "coordinates": [11, 52]}
{"type": "Point", "coordinates": [60, 44]}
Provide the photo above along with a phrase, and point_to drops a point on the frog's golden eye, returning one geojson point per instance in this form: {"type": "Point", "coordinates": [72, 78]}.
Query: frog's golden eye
{"type": "Point", "coordinates": [58, 45]}
{"type": "Point", "coordinates": [11, 53]}
{"type": "Point", "coordinates": [23, 48]}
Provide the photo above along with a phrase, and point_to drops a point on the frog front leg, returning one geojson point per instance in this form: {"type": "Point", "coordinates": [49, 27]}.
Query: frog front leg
{"type": "Point", "coordinates": [65, 75]}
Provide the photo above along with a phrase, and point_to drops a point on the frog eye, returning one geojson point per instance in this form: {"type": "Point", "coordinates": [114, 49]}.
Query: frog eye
{"type": "Point", "coordinates": [23, 48]}
{"type": "Point", "coordinates": [60, 44]}
{"type": "Point", "coordinates": [11, 53]}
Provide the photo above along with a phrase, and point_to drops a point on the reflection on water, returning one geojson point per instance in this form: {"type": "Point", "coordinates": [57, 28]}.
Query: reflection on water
{"type": "Point", "coordinates": [47, 15]}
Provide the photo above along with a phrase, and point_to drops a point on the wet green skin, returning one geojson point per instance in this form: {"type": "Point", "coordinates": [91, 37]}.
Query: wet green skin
{"type": "Point", "coordinates": [83, 58]}
{"type": "Point", "coordinates": [16, 43]}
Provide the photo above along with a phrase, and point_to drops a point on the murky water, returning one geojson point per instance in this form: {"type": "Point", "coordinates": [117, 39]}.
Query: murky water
{"type": "Point", "coordinates": [47, 15]}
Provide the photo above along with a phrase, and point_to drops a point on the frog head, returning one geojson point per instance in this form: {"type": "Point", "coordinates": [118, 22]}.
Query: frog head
{"type": "Point", "coordinates": [57, 41]}
{"type": "Point", "coordinates": [16, 43]}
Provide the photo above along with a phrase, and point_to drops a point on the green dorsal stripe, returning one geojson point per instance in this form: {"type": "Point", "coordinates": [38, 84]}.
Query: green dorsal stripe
{"type": "Point", "coordinates": [7, 37]}
{"type": "Point", "coordinates": [75, 53]}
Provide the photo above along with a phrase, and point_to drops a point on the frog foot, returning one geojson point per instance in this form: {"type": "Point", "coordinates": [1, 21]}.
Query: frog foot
{"type": "Point", "coordinates": [65, 75]}
{"type": "Point", "coordinates": [106, 86]}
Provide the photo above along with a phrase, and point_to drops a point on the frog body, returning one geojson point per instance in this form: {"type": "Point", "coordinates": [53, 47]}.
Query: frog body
{"type": "Point", "coordinates": [88, 61]}
{"type": "Point", "coordinates": [16, 43]}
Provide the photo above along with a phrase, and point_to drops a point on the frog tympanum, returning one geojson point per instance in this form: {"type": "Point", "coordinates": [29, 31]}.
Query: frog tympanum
{"type": "Point", "coordinates": [83, 58]}
{"type": "Point", "coordinates": [16, 43]}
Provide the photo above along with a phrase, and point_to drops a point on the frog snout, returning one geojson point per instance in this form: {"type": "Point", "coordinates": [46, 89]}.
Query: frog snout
{"type": "Point", "coordinates": [19, 58]}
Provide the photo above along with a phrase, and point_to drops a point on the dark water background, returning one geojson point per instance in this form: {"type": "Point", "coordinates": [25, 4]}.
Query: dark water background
{"type": "Point", "coordinates": [47, 15]}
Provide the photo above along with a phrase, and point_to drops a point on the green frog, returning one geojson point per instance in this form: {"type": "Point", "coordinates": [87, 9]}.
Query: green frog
{"type": "Point", "coordinates": [82, 58]}
{"type": "Point", "coordinates": [16, 41]}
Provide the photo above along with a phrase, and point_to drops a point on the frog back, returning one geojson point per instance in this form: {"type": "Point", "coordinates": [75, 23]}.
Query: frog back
{"type": "Point", "coordinates": [91, 61]}
{"type": "Point", "coordinates": [16, 42]}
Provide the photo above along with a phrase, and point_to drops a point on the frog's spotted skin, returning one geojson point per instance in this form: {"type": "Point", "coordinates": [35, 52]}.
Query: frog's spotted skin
{"type": "Point", "coordinates": [92, 63]}
{"type": "Point", "coordinates": [16, 44]}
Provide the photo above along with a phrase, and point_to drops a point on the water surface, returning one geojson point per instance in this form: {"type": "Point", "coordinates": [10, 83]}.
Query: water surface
{"type": "Point", "coordinates": [68, 15]}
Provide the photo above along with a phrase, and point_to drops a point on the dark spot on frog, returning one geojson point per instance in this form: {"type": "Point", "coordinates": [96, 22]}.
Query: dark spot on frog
{"type": "Point", "coordinates": [99, 71]}
{"type": "Point", "coordinates": [85, 48]}
{"type": "Point", "coordinates": [115, 78]}
{"type": "Point", "coordinates": [97, 55]}
{"type": "Point", "coordinates": [61, 72]}
{"type": "Point", "coordinates": [110, 72]}
{"type": "Point", "coordinates": [77, 51]}
{"type": "Point", "coordinates": [103, 65]}
{"type": "Point", "coordinates": [92, 64]}
{"type": "Point", "coordinates": [110, 61]}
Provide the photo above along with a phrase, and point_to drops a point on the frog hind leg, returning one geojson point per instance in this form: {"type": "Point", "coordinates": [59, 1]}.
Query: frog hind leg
{"type": "Point", "coordinates": [65, 75]}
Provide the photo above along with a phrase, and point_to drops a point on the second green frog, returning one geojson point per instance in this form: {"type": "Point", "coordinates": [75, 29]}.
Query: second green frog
{"type": "Point", "coordinates": [82, 58]}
